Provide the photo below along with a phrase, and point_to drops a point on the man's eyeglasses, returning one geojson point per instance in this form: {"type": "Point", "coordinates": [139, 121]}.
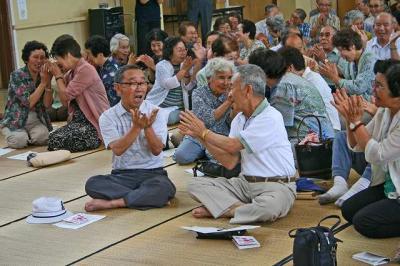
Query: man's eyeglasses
{"type": "Point", "coordinates": [134, 85]}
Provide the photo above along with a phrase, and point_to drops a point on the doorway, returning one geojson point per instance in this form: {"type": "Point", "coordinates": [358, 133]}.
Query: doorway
{"type": "Point", "coordinates": [7, 61]}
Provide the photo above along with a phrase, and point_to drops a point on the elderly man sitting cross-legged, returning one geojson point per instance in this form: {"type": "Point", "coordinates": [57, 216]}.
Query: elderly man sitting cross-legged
{"type": "Point", "coordinates": [265, 189]}
{"type": "Point", "coordinates": [135, 132]}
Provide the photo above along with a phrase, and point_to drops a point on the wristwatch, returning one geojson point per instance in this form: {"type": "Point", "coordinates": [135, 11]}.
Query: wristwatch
{"type": "Point", "coordinates": [354, 126]}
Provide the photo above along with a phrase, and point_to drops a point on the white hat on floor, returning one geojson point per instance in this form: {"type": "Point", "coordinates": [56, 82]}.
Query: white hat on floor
{"type": "Point", "coordinates": [47, 210]}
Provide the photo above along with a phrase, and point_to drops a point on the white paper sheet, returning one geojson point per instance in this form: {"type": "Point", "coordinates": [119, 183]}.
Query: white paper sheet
{"type": "Point", "coordinates": [91, 218]}
{"type": "Point", "coordinates": [206, 230]}
{"type": "Point", "coordinates": [21, 156]}
{"type": "Point", "coordinates": [5, 151]}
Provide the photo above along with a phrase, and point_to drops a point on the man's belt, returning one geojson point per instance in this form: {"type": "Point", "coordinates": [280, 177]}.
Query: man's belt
{"type": "Point", "coordinates": [282, 179]}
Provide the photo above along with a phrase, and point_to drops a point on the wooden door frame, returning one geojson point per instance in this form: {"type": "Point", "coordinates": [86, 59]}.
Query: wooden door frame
{"type": "Point", "coordinates": [7, 57]}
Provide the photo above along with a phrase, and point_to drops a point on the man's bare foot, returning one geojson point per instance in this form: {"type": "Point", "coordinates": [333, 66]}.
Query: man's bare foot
{"type": "Point", "coordinates": [201, 212]}
{"type": "Point", "coordinates": [100, 204]}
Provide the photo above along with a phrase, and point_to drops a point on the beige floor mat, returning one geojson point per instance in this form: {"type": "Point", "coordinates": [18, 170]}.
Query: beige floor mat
{"type": "Point", "coordinates": [156, 246]}
{"type": "Point", "coordinates": [23, 244]}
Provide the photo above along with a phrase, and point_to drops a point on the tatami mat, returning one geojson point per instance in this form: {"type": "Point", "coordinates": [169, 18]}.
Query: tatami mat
{"type": "Point", "coordinates": [66, 181]}
{"type": "Point", "coordinates": [353, 243]}
{"type": "Point", "coordinates": [156, 246]}
{"type": "Point", "coordinates": [10, 167]}
{"type": "Point", "coordinates": [23, 243]}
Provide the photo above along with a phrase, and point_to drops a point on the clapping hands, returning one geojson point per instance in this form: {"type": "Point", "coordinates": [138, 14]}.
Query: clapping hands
{"type": "Point", "coordinates": [350, 107]}
{"type": "Point", "coordinates": [141, 121]}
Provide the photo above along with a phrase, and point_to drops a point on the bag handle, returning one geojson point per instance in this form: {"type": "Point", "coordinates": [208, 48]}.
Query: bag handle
{"type": "Point", "coordinates": [301, 123]}
{"type": "Point", "coordinates": [333, 227]}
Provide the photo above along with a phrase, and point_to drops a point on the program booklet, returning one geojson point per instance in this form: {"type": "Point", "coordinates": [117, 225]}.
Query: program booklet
{"type": "Point", "coordinates": [244, 242]}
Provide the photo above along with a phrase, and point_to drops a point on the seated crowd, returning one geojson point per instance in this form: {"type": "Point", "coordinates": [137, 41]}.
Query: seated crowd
{"type": "Point", "coordinates": [240, 99]}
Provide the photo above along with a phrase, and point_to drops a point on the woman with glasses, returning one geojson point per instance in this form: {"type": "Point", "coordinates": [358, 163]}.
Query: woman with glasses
{"type": "Point", "coordinates": [29, 94]}
{"type": "Point", "coordinates": [175, 77]}
{"type": "Point", "coordinates": [358, 75]}
{"type": "Point", "coordinates": [82, 91]}
{"type": "Point", "coordinates": [375, 211]}
{"type": "Point", "coordinates": [212, 105]}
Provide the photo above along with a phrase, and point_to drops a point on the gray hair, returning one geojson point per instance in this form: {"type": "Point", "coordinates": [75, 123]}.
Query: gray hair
{"type": "Point", "coordinates": [352, 16]}
{"type": "Point", "coordinates": [119, 75]}
{"type": "Point", "coordinates": [276, 23]}
{"type": "Point", "coordinates": [252, 75]}
{"type": "Point", "coordinates": [218, 64]}
{"type": "Point", "coordinates": [114, 42]}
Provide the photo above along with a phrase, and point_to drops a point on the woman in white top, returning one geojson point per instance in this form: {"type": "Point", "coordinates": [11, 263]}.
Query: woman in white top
{"type": "Point", "coordinates": [175, 77]}
{"type": "Point", "coordinates": [375, 211]}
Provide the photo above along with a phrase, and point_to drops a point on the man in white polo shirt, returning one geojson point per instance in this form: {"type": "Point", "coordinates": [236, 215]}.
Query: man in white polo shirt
{"type": "Point", "coordinates": [386, 44]}
{"type": "Point", "coordinates": [135, 132]}
{"type": "Point", "coordinates": [265, 189]}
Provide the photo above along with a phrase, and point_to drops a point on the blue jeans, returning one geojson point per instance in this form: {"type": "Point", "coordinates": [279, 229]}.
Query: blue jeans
{"type": "Point", "coordinates": [174, 118]}
{"type": "Point", "coordinates": [343, 159]}
{"type": "Point", "coordinates": [189, 151]}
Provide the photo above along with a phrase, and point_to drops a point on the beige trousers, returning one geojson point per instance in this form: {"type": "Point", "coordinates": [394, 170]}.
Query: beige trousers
{"type": "Point", "coordinates": [34, 133]}
{"type": "Point", "coordinates": [263, 201]}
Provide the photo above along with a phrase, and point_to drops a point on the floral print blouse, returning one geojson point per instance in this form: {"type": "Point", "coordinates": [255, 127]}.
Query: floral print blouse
{"type": "Point", "coordinates": [20, 87]}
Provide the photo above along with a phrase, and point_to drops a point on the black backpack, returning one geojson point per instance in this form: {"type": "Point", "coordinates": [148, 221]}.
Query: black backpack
{"type": "Point", "coordinates": [315, 246]}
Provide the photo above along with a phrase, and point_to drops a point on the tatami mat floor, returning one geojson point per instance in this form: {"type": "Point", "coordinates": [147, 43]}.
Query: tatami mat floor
{"type": "Point", "coordinates": [132, 237]}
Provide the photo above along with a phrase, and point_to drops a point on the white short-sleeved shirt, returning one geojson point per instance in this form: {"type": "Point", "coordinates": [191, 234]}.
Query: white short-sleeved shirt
{"type": "Point", "coordinates": [381, 52]}
{"type": "Point", "coordinates": [267, 151]}
{"type": "Point", "coordinates": [316, 79]}
{"type": "Point", "coordinates": [117, 121]}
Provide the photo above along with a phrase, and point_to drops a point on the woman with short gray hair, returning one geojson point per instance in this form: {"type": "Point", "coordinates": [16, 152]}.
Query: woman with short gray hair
{"type": "Point", "coordinates": [355, 19]}
{"type": "Point", "coordinates": [276, 25]}
{"type": "Point", "coordinates": [120, 49]}
{"type": "Point", "coordinates": [211, 104]}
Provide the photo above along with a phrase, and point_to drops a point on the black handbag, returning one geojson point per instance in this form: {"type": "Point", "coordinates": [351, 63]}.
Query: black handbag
{"type": "Point", "coordinates": [212, 169]}
{"type": "Point", "coordinates": [314, 159]}
{"type": "Point", "coordinates": [315, 246]}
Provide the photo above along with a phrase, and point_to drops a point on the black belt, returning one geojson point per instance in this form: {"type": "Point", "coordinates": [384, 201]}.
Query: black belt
{"type": "Point", "coordinates": [283, 179]}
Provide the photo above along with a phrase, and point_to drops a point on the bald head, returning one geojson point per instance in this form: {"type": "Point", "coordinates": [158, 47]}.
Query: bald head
{"type": "Point", "coordinates": [295, 41]}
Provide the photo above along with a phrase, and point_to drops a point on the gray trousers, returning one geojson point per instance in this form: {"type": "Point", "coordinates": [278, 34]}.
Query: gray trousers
{"type": "Point", "coordinates": [140, 188]}
{"type": "Point", "coordinates": [34, 133]}
{"type": "Point", "coordinates": [264, 201]}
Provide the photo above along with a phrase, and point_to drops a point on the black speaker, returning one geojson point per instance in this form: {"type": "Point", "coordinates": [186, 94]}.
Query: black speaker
{"type": "Point", "coordinates": [106, 21]}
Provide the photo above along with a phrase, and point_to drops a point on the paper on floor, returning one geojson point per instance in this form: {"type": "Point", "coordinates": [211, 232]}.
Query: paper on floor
{"type": "Point", "coordinates": [5, 151]}
{"type": "Point", "coordinates": [79, 220]}
{"type": "Point", "coordinates": [21, 156]}
{"type": "Point", "coordinates": [206, 230]}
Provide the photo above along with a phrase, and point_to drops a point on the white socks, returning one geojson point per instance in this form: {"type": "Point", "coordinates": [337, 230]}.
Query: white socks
{"type": "Point", "coordinates": [339, 189]}
{"type": "Point", "coordinates": [360, 185]}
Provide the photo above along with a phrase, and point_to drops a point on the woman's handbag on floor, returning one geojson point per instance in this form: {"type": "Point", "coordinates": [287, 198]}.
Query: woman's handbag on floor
{"type": "Point", "coordinates": [314, 159]}
{"type": "Point", "coordinates": [214, 169]}
{"type": "Point", "coordinates": [315, 246]}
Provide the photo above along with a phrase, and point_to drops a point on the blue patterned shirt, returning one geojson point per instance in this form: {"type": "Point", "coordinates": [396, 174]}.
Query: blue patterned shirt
{"type": "Point", "coordinates": [204, 105]}
{"type": "Point", "coordinates": [107, 73]}
{"type": "Point", "coordinates": [305, 30]}
{"type": "Point", "coordinates": [295, 98]}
